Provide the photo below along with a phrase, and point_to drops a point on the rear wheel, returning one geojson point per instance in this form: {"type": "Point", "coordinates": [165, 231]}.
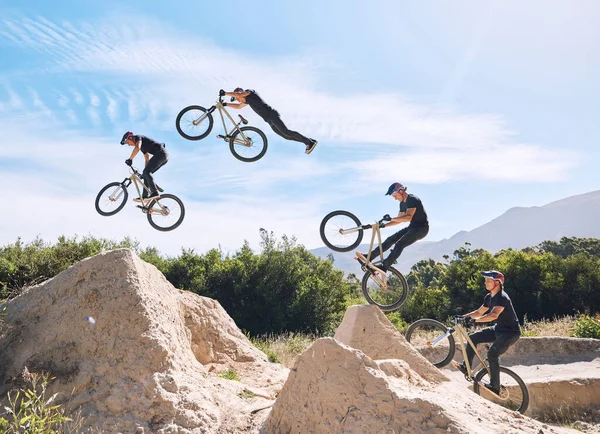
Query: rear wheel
{"type": "Point", "coordinates": [389, 298]}
{"type": "Point", "coordinates": [249, 147]}
{"type": "Point", "coordinates": [424, 334]}
{"type": "Point", "coordinates": [111, 199]}
{"type": "Point", "coordinates": [194, 122]}
{"type": "Point", "coordinates": [166, 212]}
{"type": "Point", "coordinates": [514, 394]}
{"type": "Point", "coordinates": [330, 231]}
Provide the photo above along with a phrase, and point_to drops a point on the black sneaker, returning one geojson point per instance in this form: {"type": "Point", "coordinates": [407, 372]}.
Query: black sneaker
{"type": "Point", "coordinates": [311, 147]}
{"type": "Point", "coordinates": [461, 367]}
{"type": "Point", "coordinates": [492, 389]}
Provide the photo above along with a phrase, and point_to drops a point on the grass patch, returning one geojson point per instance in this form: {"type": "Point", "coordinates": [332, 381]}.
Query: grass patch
{"type": "Point", "coordinates": [563, 326]}
{"type": "Point", "coordinates": [230, 374]}
{"type": "Point", "coordinates": [284, 348]}
{"type": "Point", "coordinates": [31, 411]}
{"type": "Point", "coordinates": [576, 419]}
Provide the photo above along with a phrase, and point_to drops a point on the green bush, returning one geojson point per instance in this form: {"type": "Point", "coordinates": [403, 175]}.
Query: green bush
{"type": "Point", "coordinates": [30, 412]}
{"type": "Point", "coordinates": [587, 327]}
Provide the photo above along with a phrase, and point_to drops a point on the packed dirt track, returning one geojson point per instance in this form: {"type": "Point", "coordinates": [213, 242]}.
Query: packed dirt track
{"type": "Point", "coordinates": [134, 354]}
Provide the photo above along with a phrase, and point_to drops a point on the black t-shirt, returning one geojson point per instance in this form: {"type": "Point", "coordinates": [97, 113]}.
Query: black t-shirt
{"type": "Point", "coordinates": [507, 321]}
{"type": "Point", "coordinates": [150, 146]}
{"type": "Point", "coordinates": [420, 216]}
{"type": "Point", "coordinates": [257, 104]}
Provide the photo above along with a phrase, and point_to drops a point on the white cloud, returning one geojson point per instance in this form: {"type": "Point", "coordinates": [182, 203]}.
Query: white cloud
{"type": "Point", "coordinates": [363, 138]}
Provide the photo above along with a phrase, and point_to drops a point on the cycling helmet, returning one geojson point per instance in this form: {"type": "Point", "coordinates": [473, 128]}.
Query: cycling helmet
{"type": "Point", "coordinates": [238, 90]}
{"type": "Point", "coordinates": [127, 135]}
{"type": "Point", "coordinates": [496, 275]}
{"type": "Point", "coordinates": [396, 186]}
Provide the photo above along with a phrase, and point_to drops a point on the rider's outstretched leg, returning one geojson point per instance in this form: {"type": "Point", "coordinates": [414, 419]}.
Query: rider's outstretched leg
{"type": "Point", "coordinates": [412, 234]}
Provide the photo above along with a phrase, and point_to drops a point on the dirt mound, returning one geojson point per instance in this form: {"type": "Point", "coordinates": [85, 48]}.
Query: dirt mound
{"type": "Point", "coordinates": [366, 328]}
{"type": "Point", "coordinates": [337, 389]}
{"type": "Point", "coordinates": [132, 352]}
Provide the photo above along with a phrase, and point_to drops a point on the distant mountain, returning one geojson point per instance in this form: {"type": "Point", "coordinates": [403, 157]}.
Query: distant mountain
{"type": "Point", "coordinates": [574, 216]}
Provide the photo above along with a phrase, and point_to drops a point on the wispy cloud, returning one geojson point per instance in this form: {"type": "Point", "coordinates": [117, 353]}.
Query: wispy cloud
{"type": "Point", "coordinates": [176, 71]}
{"type": "Point", "coordinates": [363, 137]}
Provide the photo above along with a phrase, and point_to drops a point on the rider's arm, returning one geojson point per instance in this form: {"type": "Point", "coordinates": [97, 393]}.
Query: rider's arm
{"type": "Point", "coordinates": [479, 312]}
{"type": "Point", "coordinates": [238, 106]}
{"type": "Point", "coordinates": [491, 316]}
{"type": "Point", "coordinates": [403, 217]}
{"type": "Point", "coordinates": [136, 149]}
{"type": "Point", "coordinates": [240, 94]}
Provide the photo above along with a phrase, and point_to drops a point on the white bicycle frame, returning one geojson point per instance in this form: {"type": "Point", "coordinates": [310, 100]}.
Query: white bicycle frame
{"type": "Point", "coordinates": [236, 126]}
{"type": "Point", "coordinates": [463, 337]}
{"type": "Point", "coordinates": [380, 276]}
{"type": "Point", "coordinates": [135, 179]}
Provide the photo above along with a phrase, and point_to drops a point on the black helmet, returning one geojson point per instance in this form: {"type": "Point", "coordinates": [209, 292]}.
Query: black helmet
{"type": "Point", "coordinates": [127, 135]}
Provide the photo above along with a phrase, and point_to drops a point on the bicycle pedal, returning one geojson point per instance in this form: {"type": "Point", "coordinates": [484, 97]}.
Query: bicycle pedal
{"type": "Point", "coordinates": [220, 136]}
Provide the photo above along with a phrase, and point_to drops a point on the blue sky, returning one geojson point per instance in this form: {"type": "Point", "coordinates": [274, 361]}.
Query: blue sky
{"type": "Point", "coordinates": [476, 106]}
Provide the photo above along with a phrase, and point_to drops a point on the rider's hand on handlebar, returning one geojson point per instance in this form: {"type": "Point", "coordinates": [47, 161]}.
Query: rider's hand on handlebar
{"type": "Point", "coordinates": [381, 225]}
{"type": "Point", "coordinates": [224, 104]}
{"type": "Point", "coordinates": [468, 320]}
{"type": "Point", "coordinates": [129, 162]}
{"type": "Point", "coordinates": [221, 92]}
{"type": "Point", "coordinates": [387, 218]}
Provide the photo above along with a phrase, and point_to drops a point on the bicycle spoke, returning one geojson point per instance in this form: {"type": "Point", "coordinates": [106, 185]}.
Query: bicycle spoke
{"type": "Point", "coordinates": [423, 336]}
{"type": "Point", "coordinates": [389, 293]}
{"type": "Point", "coordinates": [111, 199]}
{"type": "Point", "coordinates": [332, 231]}
{"type": "Point", "coordinates": [194, 123]}
{"type": "Point", "coordinates": [165, 213]}
{"type": "Point", "coordinates": [249, 145]}
{"type": "Point", "coordinates": [511, 393]}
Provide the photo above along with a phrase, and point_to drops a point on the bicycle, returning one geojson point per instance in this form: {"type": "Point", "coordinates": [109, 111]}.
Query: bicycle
{"type": "Point", "coordinates": [166, 205]}
{"type": "Point", "coordinates": [436, 343]}
{"type": "Point", "coordinates": [342, 231]}
{"type": "Point", "coordinates": [242, 140]}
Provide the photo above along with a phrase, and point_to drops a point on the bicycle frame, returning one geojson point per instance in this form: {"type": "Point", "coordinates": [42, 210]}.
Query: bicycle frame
{"type": "Point", "coordinates": [381, 281]}
{"type": "Point", "coordinates": [135, 179]}
{"type": "Point", "coordinates": [236, 126]}
{"type": "Point", "coordinates": [462, 337]}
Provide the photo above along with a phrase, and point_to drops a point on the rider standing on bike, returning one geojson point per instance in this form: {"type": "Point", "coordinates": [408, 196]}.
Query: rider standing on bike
{"type": "Point", "coordinates": [268, 113]}
{"type": "Point", "coordinates": [159, 159]}
{"type": "Point", "coordinates": [498, 307]}
{"type": "Point", "coordinates": [411, 210]}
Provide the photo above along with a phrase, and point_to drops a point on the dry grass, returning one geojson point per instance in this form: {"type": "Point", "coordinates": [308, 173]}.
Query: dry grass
{"type": "Point", "coordinates": [563, 326]}
{"type": "Point", "coordinates": [286, 348]}
{"type": "Point", "coordinates": [584, 421]}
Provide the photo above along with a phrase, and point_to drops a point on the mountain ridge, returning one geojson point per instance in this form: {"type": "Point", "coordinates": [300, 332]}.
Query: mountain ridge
{"type": "Point", "coordinates": [517, 228]}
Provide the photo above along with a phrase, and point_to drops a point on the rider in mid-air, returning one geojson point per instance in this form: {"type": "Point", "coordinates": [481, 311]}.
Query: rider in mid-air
{"type": "Point", "coordinates": [411, 210]}
{"type": "Point", "coordinates": [159, 158]}
{"type": "Point", "coordinates": [269, 115]}
{"type": "Point", "coordinates": [498, 307]}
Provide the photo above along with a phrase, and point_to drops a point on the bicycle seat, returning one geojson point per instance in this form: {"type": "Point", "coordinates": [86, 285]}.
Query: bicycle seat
{"type": "Point", "coordinates": [244, 121]}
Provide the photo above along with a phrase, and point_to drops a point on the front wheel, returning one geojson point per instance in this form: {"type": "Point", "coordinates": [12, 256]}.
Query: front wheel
{"type": "Point", "coordinates": [333, 224]}
{"type": "Point", "coordinates": [166, 212]}
{"type": "Point", "coordinates": [194, 122]}
{"type": "Point", "coordinates": [249, 146]}
{"type": "Point", "coordinates": [389, 297]}
{"type": "Point", "coordinates": [432, 340]}
{"type": "Point", "coordinates": [514, 394]}
{"type": "Point", "coordinates": [111, 199]}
